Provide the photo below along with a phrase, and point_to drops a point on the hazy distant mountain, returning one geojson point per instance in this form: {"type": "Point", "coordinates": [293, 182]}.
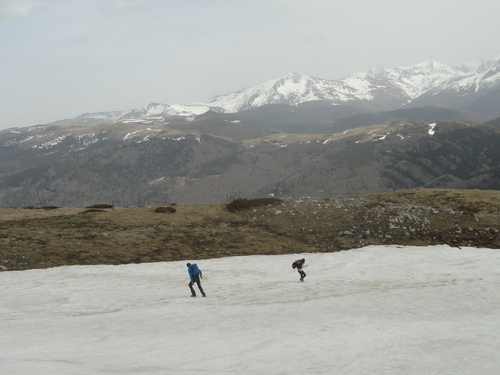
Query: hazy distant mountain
{"type": "Point", "coordinates": [473, 87]}
{"type": "Point", "coordinates": [495, 123]}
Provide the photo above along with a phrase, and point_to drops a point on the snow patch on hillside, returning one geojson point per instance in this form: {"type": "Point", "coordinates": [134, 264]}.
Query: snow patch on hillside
{"type": "Point", "coordinates": [431, 130]}
{"type": "Point", "coordinates": [380, 309]}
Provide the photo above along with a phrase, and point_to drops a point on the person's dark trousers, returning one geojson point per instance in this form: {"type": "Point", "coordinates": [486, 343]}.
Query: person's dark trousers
{"type": "Point", "coordinates": [196, 279]}
{"type": "Point", "coordinates": [302, 275]}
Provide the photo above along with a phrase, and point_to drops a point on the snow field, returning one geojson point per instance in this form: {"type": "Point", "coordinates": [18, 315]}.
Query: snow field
{"type": "Point", "coordinates": [376, 310]}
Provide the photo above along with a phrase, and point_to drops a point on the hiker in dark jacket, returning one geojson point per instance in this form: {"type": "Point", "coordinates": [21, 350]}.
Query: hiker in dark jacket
{"type": "Point", "coordinates": [299, 264]}
{"type": "Point", "coordinates": [195, 274]}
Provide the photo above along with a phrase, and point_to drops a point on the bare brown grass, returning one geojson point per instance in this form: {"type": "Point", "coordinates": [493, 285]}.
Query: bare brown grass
{"type": "Point", "coordinates": [33, 238]}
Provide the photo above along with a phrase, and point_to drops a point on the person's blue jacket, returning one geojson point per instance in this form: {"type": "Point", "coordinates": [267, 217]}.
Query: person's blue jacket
{"type": "Point", "coordinates": [193, 270]}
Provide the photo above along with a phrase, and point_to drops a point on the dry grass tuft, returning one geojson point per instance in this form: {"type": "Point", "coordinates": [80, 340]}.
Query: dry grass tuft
{"type": "Point", "coordinates": [167, 209]}
{"type": "Point", "coordinates": [101, 206]}
{"type": "Point", "coordinates": [244, 204]}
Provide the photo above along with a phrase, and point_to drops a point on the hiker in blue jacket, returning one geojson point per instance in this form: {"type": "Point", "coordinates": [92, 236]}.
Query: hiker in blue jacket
{"type": "Point", "coordinates": [195, 274]}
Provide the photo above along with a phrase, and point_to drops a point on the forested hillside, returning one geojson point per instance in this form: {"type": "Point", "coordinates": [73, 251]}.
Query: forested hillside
{"type": "Point", "coordinates": [200, 165]}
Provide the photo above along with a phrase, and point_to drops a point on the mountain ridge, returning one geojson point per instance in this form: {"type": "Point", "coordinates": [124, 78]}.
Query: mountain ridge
{"type": "Point", "coordinates": [213, 158]}
{"type": "Point", "coordinates": [379, 88]}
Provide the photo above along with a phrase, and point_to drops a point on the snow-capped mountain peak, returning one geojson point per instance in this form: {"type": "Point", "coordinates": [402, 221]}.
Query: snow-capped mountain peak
{"type": "Point", "coordinates": [386, 88]}
{"type": "Point", "coordinates": [402, 83]}
{"type": "Point", "coordinates": [479, 66]}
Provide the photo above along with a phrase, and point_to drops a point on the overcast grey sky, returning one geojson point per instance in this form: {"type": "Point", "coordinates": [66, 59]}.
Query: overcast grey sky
{"type": "Point", "coordinates": [62, 58]}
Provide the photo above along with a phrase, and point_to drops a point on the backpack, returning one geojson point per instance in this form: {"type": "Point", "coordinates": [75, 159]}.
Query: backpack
{"type": "Point", "coordinates": [194, 270]}
{"type": "Point", "coordinates": [294, 265]}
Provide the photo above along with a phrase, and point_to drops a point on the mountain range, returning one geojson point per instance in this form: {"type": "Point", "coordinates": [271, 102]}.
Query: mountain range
{"type": "Point", "coordinates": [428, 125]}
{"type": "Point", "coordinates": [474, 87]}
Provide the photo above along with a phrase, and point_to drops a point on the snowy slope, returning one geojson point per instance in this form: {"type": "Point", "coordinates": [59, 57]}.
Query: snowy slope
{"type": "Point", "coordinates": [291, 89]}
{"type": "Point", "coordinates": [377, 310]}
{"type": "Point", "coordinates": [387, 89]}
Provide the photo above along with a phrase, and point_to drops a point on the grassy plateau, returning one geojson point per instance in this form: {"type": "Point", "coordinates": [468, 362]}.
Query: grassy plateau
{"type": "Point", "coordinates": [44, 237]}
